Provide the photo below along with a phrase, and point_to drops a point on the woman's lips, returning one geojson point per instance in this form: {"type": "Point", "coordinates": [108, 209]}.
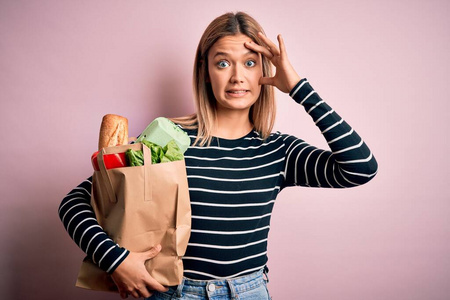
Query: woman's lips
{"type": "Point", "coordinates": [237, 93]}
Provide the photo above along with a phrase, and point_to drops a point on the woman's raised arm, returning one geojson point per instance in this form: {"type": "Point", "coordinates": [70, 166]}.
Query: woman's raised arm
{"type": "Point", "coordinates": [349, 163]}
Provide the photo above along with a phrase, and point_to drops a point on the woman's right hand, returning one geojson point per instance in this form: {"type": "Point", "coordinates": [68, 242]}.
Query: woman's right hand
{"type": "Point", "coordinates": [132, 278]}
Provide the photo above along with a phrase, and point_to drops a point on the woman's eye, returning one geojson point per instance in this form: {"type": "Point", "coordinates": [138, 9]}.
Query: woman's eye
{"type": "Point", "coordinates": [222, 64]}
{"type": "Point", "coordinates": [250, 63]}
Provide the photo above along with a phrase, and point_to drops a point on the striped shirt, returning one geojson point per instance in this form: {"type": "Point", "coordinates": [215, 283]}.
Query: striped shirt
{"type": "Point", "coordinates": [233, 185]}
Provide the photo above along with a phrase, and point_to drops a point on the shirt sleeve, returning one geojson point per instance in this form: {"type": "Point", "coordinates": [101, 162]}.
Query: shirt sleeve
{"type": "Point", "coordinates": [78, 217]}
{"type": "Point", "coordinates": [348, 163]}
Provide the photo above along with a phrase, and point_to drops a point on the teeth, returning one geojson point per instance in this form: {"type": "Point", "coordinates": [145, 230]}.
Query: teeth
{"type": "Point", "coordinates": [237, 92]}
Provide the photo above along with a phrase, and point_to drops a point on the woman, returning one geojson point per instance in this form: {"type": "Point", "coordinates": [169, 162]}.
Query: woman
{"type": "Point", "coordinates": [235, 166]}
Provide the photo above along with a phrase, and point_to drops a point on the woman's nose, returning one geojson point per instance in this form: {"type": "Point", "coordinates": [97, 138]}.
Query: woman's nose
{"type": "Point", "coordinates": [237, 74]}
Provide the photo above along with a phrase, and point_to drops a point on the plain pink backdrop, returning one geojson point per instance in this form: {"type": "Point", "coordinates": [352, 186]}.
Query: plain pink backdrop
{"type": "Point", "coordinates": [382, 65]}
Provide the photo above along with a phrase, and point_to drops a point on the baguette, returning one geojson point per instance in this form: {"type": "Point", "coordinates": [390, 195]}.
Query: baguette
{"type": "Point", "coordinates": [113, 131]}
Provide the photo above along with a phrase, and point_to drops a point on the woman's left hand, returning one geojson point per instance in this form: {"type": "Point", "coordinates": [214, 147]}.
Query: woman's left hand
{"type": "Point", "coordinates": [285, 76]}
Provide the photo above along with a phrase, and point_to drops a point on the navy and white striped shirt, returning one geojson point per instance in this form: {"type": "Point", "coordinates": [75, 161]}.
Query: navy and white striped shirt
{"type": "Point", "coordinates": [233, 185]}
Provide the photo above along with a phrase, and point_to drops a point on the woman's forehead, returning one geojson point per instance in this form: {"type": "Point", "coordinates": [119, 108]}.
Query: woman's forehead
{"type": "Point", "coordinates": [230, 44]}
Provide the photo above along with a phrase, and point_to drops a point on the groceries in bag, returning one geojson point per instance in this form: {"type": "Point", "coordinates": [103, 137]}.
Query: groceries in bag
{"type": "Point", "coordinates": [113, 131]}
{"type": "Point", "coordinates": [161, 131]}
{"type": "Point", "coordinates": [166, 141]}
{"type": "Point", "coordinates": [142, 206]}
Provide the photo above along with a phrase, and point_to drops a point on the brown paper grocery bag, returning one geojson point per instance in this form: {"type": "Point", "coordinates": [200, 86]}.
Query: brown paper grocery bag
{"type": "Point", "coordinates": [140, 207]}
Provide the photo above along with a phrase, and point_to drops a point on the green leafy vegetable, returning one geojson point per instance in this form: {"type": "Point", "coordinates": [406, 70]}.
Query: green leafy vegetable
{"type": "Point", "coordinates": [155, 150]}
{"type": "Point", "coordinates": [171, 152]}
{"type": "Point", "coordinates": [134, 158]}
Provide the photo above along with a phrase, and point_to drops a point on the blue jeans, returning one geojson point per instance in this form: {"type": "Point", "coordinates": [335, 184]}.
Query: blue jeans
{"type": "Point", "coordinates": [248, 287]}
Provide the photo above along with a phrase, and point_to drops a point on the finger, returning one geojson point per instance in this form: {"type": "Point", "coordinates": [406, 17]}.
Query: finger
{"type": "Point", "coordinates": [267, 81]}
{"type": "Point", "coordinates": [144, 292]}
{"type": "Point", "coordinates": [152, 252]}
{"type": "Point", "coordinates": [282, 46]}
{"type": "Point", "coordinates": [135, 294]}
{"type": "Point", "coordinates": [155, 285]}
{"type": "Point", "coordinates": [271, 46]}
{"type": "Point", "coordinates": [123, 295]}
{"type": "Point", "coordinates": [259, 49]}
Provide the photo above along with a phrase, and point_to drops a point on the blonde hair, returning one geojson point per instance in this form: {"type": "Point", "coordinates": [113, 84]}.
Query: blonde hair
{"type": "Point", "coordinates": [262, 113]}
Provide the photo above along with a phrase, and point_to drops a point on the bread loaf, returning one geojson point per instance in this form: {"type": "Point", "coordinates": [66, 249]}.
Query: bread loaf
{"type": "Point", "coordinates": [113, 131]}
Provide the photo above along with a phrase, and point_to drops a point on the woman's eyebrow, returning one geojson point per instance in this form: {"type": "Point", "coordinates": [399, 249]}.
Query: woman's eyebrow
{"type": "Point", "coordinates": [251, 52]}
{"type": "Point", "coordinates": [221, 53]}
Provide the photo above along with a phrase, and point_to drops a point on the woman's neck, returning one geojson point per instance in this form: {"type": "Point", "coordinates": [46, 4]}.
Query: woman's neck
{"type": "Point", "coordinates": [232, 125]}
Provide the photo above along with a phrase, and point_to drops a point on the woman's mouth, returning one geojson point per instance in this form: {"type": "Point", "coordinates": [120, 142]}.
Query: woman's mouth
{"type": "Point", "coordinates": [237, 93]}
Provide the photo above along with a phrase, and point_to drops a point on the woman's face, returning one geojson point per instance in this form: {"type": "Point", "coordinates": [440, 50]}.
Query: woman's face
{"type": "Point", "coordinates": [234, 73]}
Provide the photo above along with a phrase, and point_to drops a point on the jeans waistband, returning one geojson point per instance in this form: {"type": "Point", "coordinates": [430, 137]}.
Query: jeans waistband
{"type": "Point", "coordinates": [217, 287]}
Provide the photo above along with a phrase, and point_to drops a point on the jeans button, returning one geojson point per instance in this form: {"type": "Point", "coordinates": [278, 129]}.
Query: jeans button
{"type": "Point", "coordinates": [211, 287]}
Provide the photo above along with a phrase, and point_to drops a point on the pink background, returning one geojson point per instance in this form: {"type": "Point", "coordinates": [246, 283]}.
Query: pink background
{"type": "Point", "coordinates": [382, 65]}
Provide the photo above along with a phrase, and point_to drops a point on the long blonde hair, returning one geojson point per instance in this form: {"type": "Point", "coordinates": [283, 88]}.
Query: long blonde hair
{"type": "Point", "coordinates": [262, 113]}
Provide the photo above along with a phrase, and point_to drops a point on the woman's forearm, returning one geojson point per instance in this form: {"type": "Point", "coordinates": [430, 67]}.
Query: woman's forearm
{"type": "Point", "coordinates": [349, 162]}
{"type": "Point", "coordinates": [78, 217]}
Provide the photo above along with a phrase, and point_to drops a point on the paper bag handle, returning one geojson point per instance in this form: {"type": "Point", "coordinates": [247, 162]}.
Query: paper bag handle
{"type": "Point", "coordinates": [120, 149]}
{"type": "Point", "coordinates": [147, 178]}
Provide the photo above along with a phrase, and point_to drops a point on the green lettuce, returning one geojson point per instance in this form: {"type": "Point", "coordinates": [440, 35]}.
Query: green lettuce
{"type": "Point", "coordinates": [134, 158]}
{"type": "Point", "coordinates": [171, 152]}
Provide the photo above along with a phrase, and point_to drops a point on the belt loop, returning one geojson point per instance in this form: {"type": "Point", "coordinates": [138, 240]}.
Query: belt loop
{"type": "Point", "coordinates": [266, 273]}
{"type": "Point", "coordinates": [234, 296]}
{"type": "Point", "coordinates": [179, 289]}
